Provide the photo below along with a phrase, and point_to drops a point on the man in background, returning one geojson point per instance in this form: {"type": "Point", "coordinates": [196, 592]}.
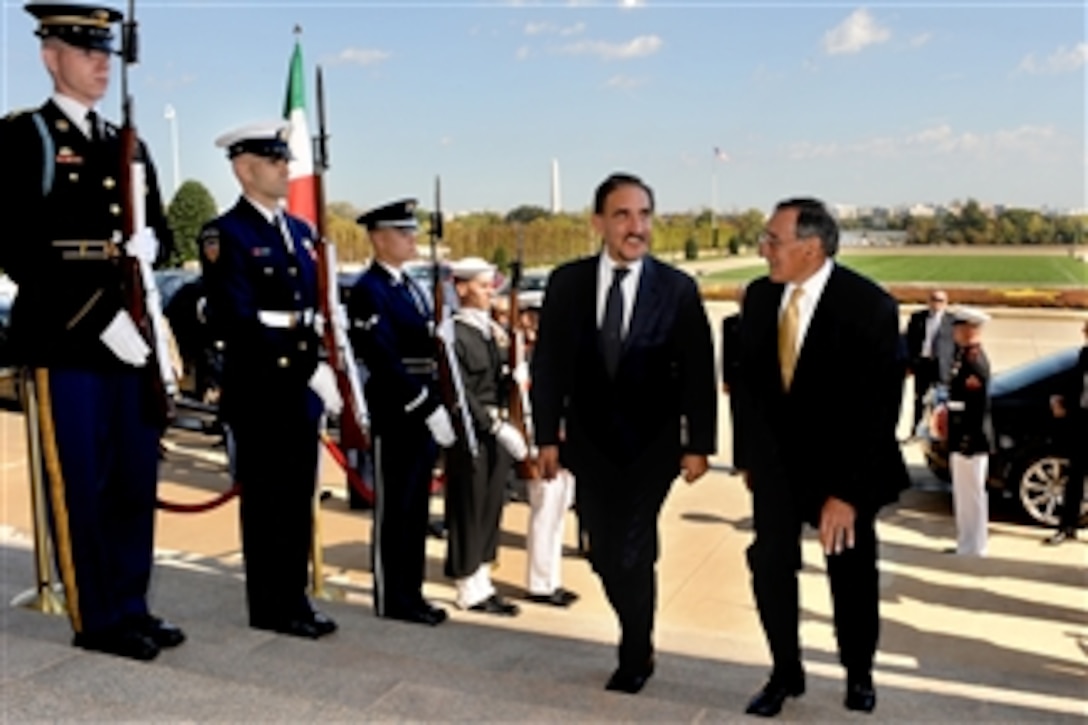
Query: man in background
{"type": "Point", "coordinates": [930, 349]}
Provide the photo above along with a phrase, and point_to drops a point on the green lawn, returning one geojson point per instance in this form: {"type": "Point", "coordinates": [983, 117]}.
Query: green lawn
{"type": "Point", "coordinates": [1002, 270]}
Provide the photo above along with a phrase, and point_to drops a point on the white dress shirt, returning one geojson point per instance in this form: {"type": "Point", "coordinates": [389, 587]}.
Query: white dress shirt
{"type": "Point", "coordinates": [75, 111]}
{"type": "Point", "coordinates": [933, 323]}
{"type": "Point", "coordinates": [813, 289]}
{"type": "Point", "coordinates": [629, 287]}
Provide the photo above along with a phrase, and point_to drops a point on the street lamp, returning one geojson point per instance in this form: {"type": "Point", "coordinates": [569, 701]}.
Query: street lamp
{"type": "Point", "coordinates": [171, 115]}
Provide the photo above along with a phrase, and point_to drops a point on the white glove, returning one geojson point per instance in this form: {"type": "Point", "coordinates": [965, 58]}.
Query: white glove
{"type": "Point", "coordinates": [143, 245]}
{"type": "Point", "coordinates": [441, 427]}
{"type": "Point", "coordinates": [323, 382]}
{"type": "Point", "coordinates": [319, 324]}
{"type": "Point", "coordinates": [521, 373]}
{"type": "Point", "coordinates": [512, 441]}
{"type": "Point", "coordinates": [124, 340]}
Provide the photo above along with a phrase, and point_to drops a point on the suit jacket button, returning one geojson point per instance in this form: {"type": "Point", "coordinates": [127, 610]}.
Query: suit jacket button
{"type": "Point", "coordinates": [73, 177]}
{"type": "Point", "coordinates": [302, 345]}
{"type": "Point", "coordinates": [115, 209]}
{"type": "Point", "coordinates": [292, 271]}
{"type": "Point", "coordinates": [283, 362]}
{"type": "Point", "coordinates": [108, 182]}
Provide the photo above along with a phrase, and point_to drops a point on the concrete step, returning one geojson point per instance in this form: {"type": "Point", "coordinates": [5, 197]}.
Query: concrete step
{"type": "Point", "coordinates": [474, 668]}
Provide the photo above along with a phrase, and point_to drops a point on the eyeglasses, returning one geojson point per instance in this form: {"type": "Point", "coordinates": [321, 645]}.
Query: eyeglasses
{"type": "Point", "coordinates": [766, 239]}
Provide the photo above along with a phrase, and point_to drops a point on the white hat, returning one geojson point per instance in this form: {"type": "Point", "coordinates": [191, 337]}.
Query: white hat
{"type": "Point", "coordinates": [265, 138]}
{"type": "Point", "coordinates": [471, 267]}
{"type": "Point", "coordinates": [969, 316]}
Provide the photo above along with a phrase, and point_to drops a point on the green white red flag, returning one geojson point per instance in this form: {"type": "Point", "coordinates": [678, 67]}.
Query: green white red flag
{"type": "Point", "coordinates": [302, 192]}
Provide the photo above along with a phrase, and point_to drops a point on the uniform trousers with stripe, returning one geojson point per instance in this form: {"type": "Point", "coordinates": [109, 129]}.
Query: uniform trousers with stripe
{"type": "Point", "coordinates": [109, 460]}
{"type": "Point", "coordinates": [404, 458]}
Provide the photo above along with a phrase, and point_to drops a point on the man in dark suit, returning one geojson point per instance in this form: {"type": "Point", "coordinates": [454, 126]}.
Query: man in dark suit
{"type": "Point", "coordinates": [1070, 407]}
{"type": "Point", "coordinates": [623, 373]}
{"type": "Point", "coordinates": [930, 348]}
{"type": "Point", "coordinates": [820, 363]}
{"type": "Point", "coordinates": [260, 275]}
{"type": "Point", "coordinates": [391, 332]}
{"type": "Point", "coordinates": [91, 370]}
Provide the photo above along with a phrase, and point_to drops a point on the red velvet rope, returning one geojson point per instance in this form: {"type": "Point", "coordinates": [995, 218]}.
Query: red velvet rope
{"type": "Point", "coordinates": [197, 508]}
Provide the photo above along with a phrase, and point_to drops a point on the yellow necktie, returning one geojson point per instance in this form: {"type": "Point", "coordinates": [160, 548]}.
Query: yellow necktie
{"type": "Point", "coordinates": [788, 327]}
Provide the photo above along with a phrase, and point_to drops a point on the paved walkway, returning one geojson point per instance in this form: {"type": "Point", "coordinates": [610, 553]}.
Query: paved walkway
{"type": "Point", "coordinates": [997, 639]}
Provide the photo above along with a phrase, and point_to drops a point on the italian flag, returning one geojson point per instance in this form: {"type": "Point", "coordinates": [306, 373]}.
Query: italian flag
{"type": "Point", "coordinates": [302, 192]}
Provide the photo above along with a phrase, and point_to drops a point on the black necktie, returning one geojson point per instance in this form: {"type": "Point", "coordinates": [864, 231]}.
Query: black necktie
{"type": "Point", "coordinates": [612, 324]}
{"type": "Point", "coordinates": [92, 123]}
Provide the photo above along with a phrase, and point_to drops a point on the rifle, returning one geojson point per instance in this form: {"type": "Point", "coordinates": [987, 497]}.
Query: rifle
{"type": "Point", "coordinates": [529, 469]}
{"type": "Point", "coordinates": [138, 283]}
{"type": "Point", "coordinates": [355, 418]}
{"type": "Point", "coordinates": [450, 387]}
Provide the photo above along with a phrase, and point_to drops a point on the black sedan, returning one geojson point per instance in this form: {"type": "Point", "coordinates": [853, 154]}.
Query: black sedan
{"type": "Point", "coordinates": [1027, 466]}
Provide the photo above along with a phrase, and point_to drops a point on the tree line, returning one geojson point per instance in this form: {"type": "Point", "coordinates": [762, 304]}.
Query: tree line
{"type": "Point", "coordinates": [545, 238]}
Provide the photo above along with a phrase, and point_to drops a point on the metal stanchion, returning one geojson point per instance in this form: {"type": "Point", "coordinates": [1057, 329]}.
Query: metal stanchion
{"type": "Point", "coordinates": [47, 596]}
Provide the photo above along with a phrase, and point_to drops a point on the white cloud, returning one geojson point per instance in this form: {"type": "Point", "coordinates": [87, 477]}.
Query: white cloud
{"type": "Point", "coordinates": [919, 40]}
{"type": "Point", "coordinates": [625, 82]}
{"type": "Point", "coordinates": [1061, 60]}
{"type": "Point", "coordinates": [639, 47]}
{"type": "Point", "coordinates": [360, 56]}
{"type": "Point", "coordinates": [632, 3]}
{"type": "Point", "coordinates": [522, 53]}
{"type": "Point", "coordinates": [937, 140]}
{"type": "Point", "coordinates": [545, 28]}
{"type": "Point", "coordinates": [859, 30]}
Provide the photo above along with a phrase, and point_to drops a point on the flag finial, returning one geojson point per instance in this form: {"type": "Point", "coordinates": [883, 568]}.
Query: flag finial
{"type": "Point", "coordinates": [298, 30]}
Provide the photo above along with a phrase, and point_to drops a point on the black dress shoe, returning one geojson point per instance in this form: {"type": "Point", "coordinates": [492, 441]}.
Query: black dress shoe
{"type": "Point", "coordinates": [162, 633]}
{"type": "Point", "coordinates": [293, 627]}
{"type": "Point", "coordinates": [559, 598]}
{"type": "Point", "coordinates": [323, 623]}
{"type": "Point", "coordinates": [120, 641]}
{"type": "Point", "coordinates": [431, 616]}
{"type": "Point", "coordinates": [768, 701]}
{"type": "Point", "coordinates": [630, 681]}
{"type": "Point", "coordinates": [1061, 536]}
{"type": "Point", "coordinates": [860, 695]}
{"type": "Point", "coordinates": [495, 605]}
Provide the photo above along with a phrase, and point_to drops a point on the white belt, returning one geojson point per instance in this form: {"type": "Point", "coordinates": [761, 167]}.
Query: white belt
{"type": "Point", "coordinates": [285, 320]}
{"type": "Point", "coordinates": [957, 405]}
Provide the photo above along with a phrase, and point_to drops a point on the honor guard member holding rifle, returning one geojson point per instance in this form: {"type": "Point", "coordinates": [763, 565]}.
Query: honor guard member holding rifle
{"type": "Point", "coordinates": [89, 361]}
{"type": "Point", "coordinates": [260, 275]}
{"type": "Point", "coordinates": [476, 485]}
{"type": "Point", "coordinates": [391, 332]}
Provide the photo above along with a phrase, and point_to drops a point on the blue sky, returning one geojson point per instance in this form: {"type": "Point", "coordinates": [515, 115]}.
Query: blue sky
{"type": "Point", "coordinates": [883, 103]}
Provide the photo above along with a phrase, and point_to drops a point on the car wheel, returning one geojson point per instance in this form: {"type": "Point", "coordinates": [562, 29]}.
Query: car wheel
{"type": "Point", "coordinates": [1041, 487]}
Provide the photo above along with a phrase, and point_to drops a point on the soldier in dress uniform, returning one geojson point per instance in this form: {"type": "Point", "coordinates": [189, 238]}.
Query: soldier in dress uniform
{"type": "Point", "coordinates": [260, 276]}
{"type": "Point", "coordinates": [476, 485]}
{"type": "Point", "coordinates": [970, 431]}
{"type": "Point", "coordinates": [70, 326]}
{"type": "Point", "coordinates": [391, 332]}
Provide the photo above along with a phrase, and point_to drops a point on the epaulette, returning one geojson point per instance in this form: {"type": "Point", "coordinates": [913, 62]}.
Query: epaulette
{"type": "Point", "coordinates": [11, 116]}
